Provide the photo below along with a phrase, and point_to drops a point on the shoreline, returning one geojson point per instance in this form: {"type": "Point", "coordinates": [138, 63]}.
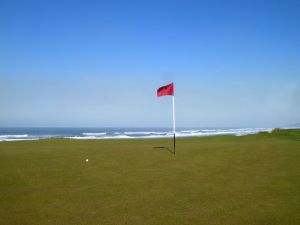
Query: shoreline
{"type": "Point", "coordinates": [20, 134]}
{"type": "Point", "coordinates": [82, 138]}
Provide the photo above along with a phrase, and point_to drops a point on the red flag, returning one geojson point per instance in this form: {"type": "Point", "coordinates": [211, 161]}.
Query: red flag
{"type": "Point", "coordinates": [166, 90]}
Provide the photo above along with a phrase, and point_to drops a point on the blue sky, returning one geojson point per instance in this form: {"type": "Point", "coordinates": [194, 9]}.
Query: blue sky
{"type": "Point", "coordinates": [99, 63]}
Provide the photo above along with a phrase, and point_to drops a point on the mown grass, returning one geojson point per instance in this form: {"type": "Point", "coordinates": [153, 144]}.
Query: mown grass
{"type": "Point", "coordinates": [251, 179]}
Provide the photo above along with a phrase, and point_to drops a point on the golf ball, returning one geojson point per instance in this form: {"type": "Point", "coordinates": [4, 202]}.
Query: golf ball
{"type": "Point", "coordinates": [87, 160]}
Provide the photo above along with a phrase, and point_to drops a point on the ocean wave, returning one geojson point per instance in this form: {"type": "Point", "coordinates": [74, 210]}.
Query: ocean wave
{"type": "Point", "coordinates": [20, 139]}
{"type": "Point", "coordinates": [94, 134]}
{"type": "Point", "coordinates": [122, 136]}
{"type": "Point", "coordinates": [218, 132]}
{"type": "Point", "coordinates": [144, 133]}
{"type": "Point", "coordinates": [14, 136]}
{"type": "Point", "coordinates": [190, 131]}
{"type": "Point", "coordinates": [137, 134]}
{"type": "Point", "coordinates": [98, 137]}
{"type": "Point", "coordinates": [204, 134]}
{"type": "Point", "coordinates": [82, 137]}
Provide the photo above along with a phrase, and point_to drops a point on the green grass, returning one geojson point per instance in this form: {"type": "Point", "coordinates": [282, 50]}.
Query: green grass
{"type": "Point", "coordinates": [244, 180]}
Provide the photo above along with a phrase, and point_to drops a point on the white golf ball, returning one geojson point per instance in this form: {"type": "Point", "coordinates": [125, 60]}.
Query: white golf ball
{"type": "Point", "coordinates": [87, 160]}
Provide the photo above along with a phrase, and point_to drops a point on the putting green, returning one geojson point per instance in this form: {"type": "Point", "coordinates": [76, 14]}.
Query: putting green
{"type": "Point", "coordinates": [252, 179]}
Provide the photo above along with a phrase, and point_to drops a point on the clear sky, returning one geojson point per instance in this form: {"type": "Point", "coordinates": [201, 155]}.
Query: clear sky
{"type": "Point", "coordinates": [99, 63]}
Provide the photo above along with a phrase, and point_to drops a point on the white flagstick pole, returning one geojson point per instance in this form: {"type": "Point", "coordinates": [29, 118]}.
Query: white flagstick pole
{"type": "Point", "coordinates": [174, 121]}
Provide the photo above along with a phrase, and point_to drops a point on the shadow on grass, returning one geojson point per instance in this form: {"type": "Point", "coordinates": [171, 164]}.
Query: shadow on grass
{"type": "Point", "coordinates": [164, 148]}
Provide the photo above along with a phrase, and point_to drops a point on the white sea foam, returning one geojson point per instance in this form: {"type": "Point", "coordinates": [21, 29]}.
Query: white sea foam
{"type": "Point", "coordinates": [14, 136]}
{"type": "Point", "coordinates": [98, 137]}
{"type": "Point", "coordinates": [144, 133]}
{"type": "Point", "coordinates": [139, 134]}
{"type": "Point", "coordinates": [217, 132]}
{"type": "Point", "coordinates": [94, 134]}
{"type": "Point", "coordinates": [190, 131]}
{"type": "Point", "coordinates": [20, 139]}
{"type": "Point", "coordinates": [184, 133]}
{"type": "Point", "coordinates": [117, 137]}
{"type": "Point", "coordinates": [204, 134]}
{"type": "Point", "coordinates": [83, 138]}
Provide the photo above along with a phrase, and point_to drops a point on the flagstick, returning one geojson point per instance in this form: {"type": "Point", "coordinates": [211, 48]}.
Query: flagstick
{"type": "Point", "coordinates": [174, 121]}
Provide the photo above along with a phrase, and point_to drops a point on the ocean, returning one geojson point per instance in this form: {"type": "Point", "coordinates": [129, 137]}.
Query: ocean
{"type": "Point", "coordinates": [35, 133]}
